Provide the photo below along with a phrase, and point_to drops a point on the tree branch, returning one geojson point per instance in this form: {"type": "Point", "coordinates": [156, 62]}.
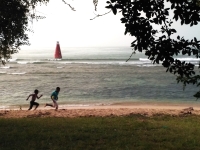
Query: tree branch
{"type": "Point", "coordinates": [72, 8]}
{"type": "Point", "coordinates": [98, 15]}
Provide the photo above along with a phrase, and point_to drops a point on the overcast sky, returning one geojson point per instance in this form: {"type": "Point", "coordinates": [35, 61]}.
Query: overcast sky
{"type": "Point", "coordinates": [75, 29]}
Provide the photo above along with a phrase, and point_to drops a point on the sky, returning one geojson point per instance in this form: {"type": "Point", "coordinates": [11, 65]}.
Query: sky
{"type": "Point", "coordinates": [75, 29]}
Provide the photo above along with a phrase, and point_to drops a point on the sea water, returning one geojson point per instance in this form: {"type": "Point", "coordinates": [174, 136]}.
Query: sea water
{"type": "Point", "coordinates": [90, 76]}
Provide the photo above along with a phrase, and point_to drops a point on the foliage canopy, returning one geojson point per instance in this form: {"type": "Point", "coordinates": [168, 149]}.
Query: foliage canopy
{"type": "Point", "coordinates": [14, 18]}
{"type": "Point", "coordinates": [140, 18]}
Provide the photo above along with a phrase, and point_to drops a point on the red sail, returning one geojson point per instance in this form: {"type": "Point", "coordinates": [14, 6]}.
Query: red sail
{"type": "Point", "coordinates": [58, 54]}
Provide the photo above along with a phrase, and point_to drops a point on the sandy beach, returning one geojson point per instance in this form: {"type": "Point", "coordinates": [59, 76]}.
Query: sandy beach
{"type": "Point", "coordinates": [104, 110]}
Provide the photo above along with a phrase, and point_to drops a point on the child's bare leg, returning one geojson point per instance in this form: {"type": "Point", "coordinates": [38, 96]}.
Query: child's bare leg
{"type": "Point", "coordinates": [30, 107]}
{"type": "Point", "coordinates": [36, 106]}
{"type": "Point", "coordinates": [49, 105]}
{"type": "Point", "coordinates": [56, 105]}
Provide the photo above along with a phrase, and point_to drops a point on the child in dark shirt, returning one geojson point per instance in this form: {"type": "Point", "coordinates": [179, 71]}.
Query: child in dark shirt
{"type": "Point", "coordinates": [34, 97]}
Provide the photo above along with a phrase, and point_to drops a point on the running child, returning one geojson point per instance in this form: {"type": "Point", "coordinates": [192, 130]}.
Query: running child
{"type": "Point", "coordinates": [54, 98]}
{"type": "Point", "coordinates": [34, 97]}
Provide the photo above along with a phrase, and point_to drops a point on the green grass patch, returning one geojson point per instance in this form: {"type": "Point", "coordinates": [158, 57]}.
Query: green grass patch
{"type": "Point", "coordinates": [106, 133]}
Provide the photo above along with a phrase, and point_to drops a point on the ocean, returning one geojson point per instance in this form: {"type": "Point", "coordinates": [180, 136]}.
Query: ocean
{"type": "Point", "coordinates": [90, 76]}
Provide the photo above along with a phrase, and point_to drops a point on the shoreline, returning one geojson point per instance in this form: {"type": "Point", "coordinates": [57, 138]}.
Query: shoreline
{"type": "Point", "coordinates": [126, 104]}
{"type": "Point", "coordinates": [118, 109]}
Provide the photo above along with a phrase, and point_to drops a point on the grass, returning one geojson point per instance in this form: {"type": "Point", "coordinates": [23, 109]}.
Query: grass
{"type": "Point", "coordinates": [101, 133]}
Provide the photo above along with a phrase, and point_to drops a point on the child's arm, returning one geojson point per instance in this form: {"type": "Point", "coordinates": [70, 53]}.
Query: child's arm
{"type": "Point", "coordinates": [29, 96]}
{"type": "Point", "coordinates": [39, 96]}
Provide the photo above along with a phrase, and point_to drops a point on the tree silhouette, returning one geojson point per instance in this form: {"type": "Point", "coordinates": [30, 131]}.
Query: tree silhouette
{"type": "Point", "coordinates": [140, 18]}
{"type": "Point", "coordinates": [14, 18]}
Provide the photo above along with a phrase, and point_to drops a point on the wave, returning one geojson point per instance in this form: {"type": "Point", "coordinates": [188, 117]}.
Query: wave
{"type": "Point", "coordinates": [149, 65]}
{"type": "Point", "coordinates": [188, 59]}
{"type": "Point", "coordinates": [17, 73]}
{"type": "Point", "coordinates": [142, 61]}
{"type": "Point", "coordinates": [54, 59]}
{"type": "Point", "coordinates": [22, 62]}
{"type": "Point", "coordinates": [92, 62]}
{"type": "Point", "coordinates": [12, 60]}
{"type": "Point", "coordinates": [5, 67]}
{"type": "Point", "coordinates": [2, 72]}
{"type": "Point", "coordinates": [181, 59]}
{"type": "Point", "coordinates": [31, 62]}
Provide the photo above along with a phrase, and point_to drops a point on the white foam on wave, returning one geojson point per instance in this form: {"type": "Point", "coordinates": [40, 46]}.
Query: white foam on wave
{"type": "Point", "coordinates": [181, 59]}
{"type": "Point", "coordinates": [12, 60]}
{"type": "Point", "coordinates": [149, 65]}
{"type": "Point", "coordinates": [54, 59]}
{"type": "Point", "coordinates": [139, 61]}
{"type": "Point", "coordinates": [188, 59]}
{"type": "Point", "coordinates": [60, 67]}
{"type": "Point", "coordinates": [28, 62]}
{"type": "Point", "coordinates": [36, 61]}
{"type": "Point", "coordinates": [22, 62]}
{"type": "Point", "coordinates": [5, 67]}
{"type": "Point", "coordinates": [17, 73]}
{"type": "Point", "coordinates": [99, 62]}
{"type": "Point", "coordinates": [144, 59]}
{"type": "Point", "coordinates": [146, 62]}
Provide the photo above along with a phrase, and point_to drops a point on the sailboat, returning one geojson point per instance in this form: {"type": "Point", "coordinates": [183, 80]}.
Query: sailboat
{"type": "Point", "coordinates": [57, 55]}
